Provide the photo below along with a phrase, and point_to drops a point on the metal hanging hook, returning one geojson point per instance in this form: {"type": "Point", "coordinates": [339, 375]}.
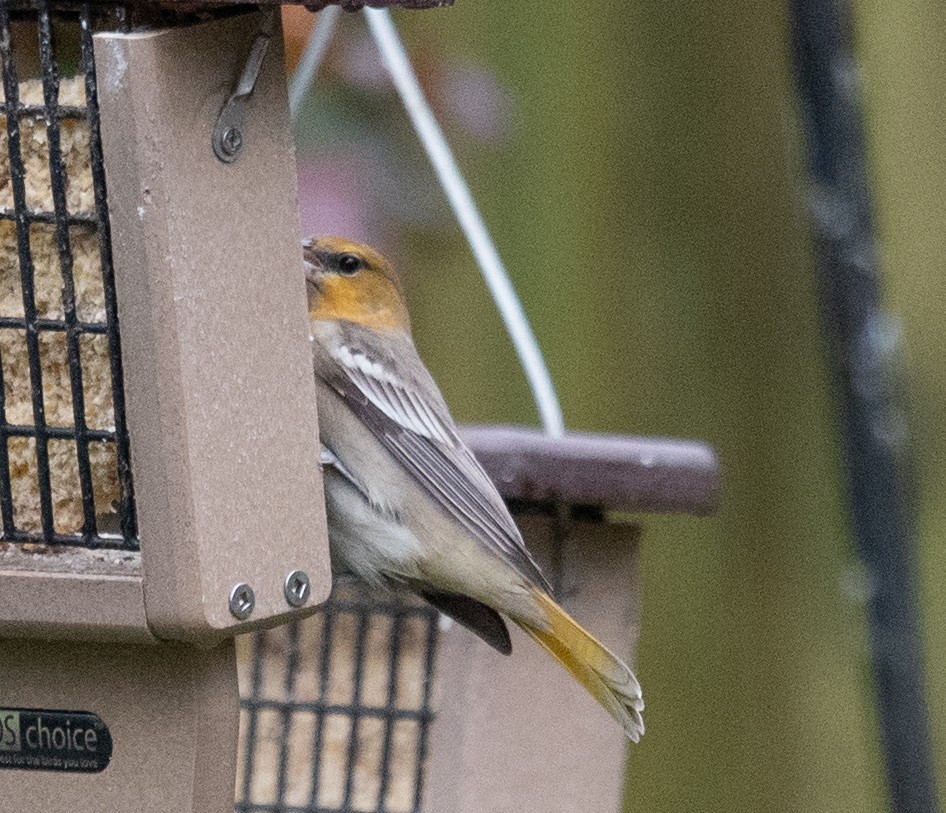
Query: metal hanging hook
{"type": "Point", "coordinates": [229, 135]}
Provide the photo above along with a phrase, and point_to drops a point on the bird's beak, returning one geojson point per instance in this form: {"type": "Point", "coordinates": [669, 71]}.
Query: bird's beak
{"type": "Point", "coordinates": [314, 274]}
{"type": "Point", "coordinates": [313, 265]}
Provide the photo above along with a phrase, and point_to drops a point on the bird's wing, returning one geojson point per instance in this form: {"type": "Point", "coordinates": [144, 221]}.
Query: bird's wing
{"type": "Point", "coordinates": [395, 397]}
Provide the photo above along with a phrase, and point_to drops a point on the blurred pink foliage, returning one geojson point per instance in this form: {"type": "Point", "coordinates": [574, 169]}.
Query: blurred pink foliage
{"type": "Point", "coordinates": [362, 173]}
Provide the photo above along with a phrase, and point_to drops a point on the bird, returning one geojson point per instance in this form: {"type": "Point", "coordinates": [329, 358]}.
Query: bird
{"type": "Point", "coordinates": [408, 505]}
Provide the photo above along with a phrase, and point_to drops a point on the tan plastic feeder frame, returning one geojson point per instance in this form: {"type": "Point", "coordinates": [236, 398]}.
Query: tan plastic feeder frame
{"type": "Point", "coordinates": [224, 435]}
{"type": "Point", "coordinates": [223, 429]}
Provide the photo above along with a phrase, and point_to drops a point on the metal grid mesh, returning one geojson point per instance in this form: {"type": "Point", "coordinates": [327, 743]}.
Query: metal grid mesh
{"type": "Point", "coordinates": [46, 455]}
{"type": "Point", "coordinates": [336, 709]}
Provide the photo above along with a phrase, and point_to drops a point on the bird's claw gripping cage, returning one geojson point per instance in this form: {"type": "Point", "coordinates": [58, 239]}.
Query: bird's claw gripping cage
{"type": "Point", "coordinates": [122, 603]}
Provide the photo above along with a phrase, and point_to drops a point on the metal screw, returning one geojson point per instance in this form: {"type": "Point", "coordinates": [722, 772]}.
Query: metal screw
{"type": "Point", "coordinates": [297, 588]}
{"type": "Point", "coordinates": [242, 600]}
{"type": "Point", "coordinates": [232, 141]}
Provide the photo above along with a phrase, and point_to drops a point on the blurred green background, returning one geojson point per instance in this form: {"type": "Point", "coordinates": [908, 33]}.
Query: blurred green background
{"type": "Point", "coordinates": [640, 166]}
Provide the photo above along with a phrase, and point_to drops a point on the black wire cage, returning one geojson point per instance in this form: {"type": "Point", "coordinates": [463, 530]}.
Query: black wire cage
{"type": "Point", "coordinates": [62, 415]}
{"type": "Point", "coordinates": [336, 709]}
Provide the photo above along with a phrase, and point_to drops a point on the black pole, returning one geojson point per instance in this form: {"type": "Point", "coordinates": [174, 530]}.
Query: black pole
{"type": "Point", "coordinates": [862, 343]}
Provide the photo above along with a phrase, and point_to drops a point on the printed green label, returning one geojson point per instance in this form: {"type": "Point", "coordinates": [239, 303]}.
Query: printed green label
{"type": "Point", "coordinates": [50, 740]}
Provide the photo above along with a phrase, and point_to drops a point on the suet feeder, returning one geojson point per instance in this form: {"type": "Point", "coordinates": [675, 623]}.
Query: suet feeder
{"type": "Point", "coordinates": [160, 489]}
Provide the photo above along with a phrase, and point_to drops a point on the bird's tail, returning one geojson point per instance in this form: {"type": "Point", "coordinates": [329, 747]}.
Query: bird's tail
{"type": "Point", "coordinates": [606, 677]}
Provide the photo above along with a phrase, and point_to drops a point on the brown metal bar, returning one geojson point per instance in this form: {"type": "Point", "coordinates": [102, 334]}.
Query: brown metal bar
{"type": "Point", "coordinates": [312, 5]}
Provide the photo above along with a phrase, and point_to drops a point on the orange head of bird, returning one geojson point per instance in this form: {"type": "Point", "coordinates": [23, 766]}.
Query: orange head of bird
{"type": "Point", "coordinates": [351, 281]}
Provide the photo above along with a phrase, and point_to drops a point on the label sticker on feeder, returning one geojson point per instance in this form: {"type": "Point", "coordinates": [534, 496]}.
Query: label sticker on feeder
{"type": "Point", "coordinates": [45, 740]}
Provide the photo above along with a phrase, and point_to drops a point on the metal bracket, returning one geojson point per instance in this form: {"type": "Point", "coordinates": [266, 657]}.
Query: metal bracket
{"type": "Point", "coordinates": [228, 137]}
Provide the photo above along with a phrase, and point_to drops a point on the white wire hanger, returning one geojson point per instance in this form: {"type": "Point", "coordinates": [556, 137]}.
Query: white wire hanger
{"type": "Point", "coordinates": [431, 136]}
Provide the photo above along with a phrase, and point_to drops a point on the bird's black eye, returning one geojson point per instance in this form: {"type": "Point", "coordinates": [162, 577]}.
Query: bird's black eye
{"type": "Point", "coordinates": [350, 263]}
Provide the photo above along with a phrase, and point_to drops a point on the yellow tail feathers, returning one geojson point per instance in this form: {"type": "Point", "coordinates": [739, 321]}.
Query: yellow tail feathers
{"type": "Point", "coordinates": [603, 674]}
